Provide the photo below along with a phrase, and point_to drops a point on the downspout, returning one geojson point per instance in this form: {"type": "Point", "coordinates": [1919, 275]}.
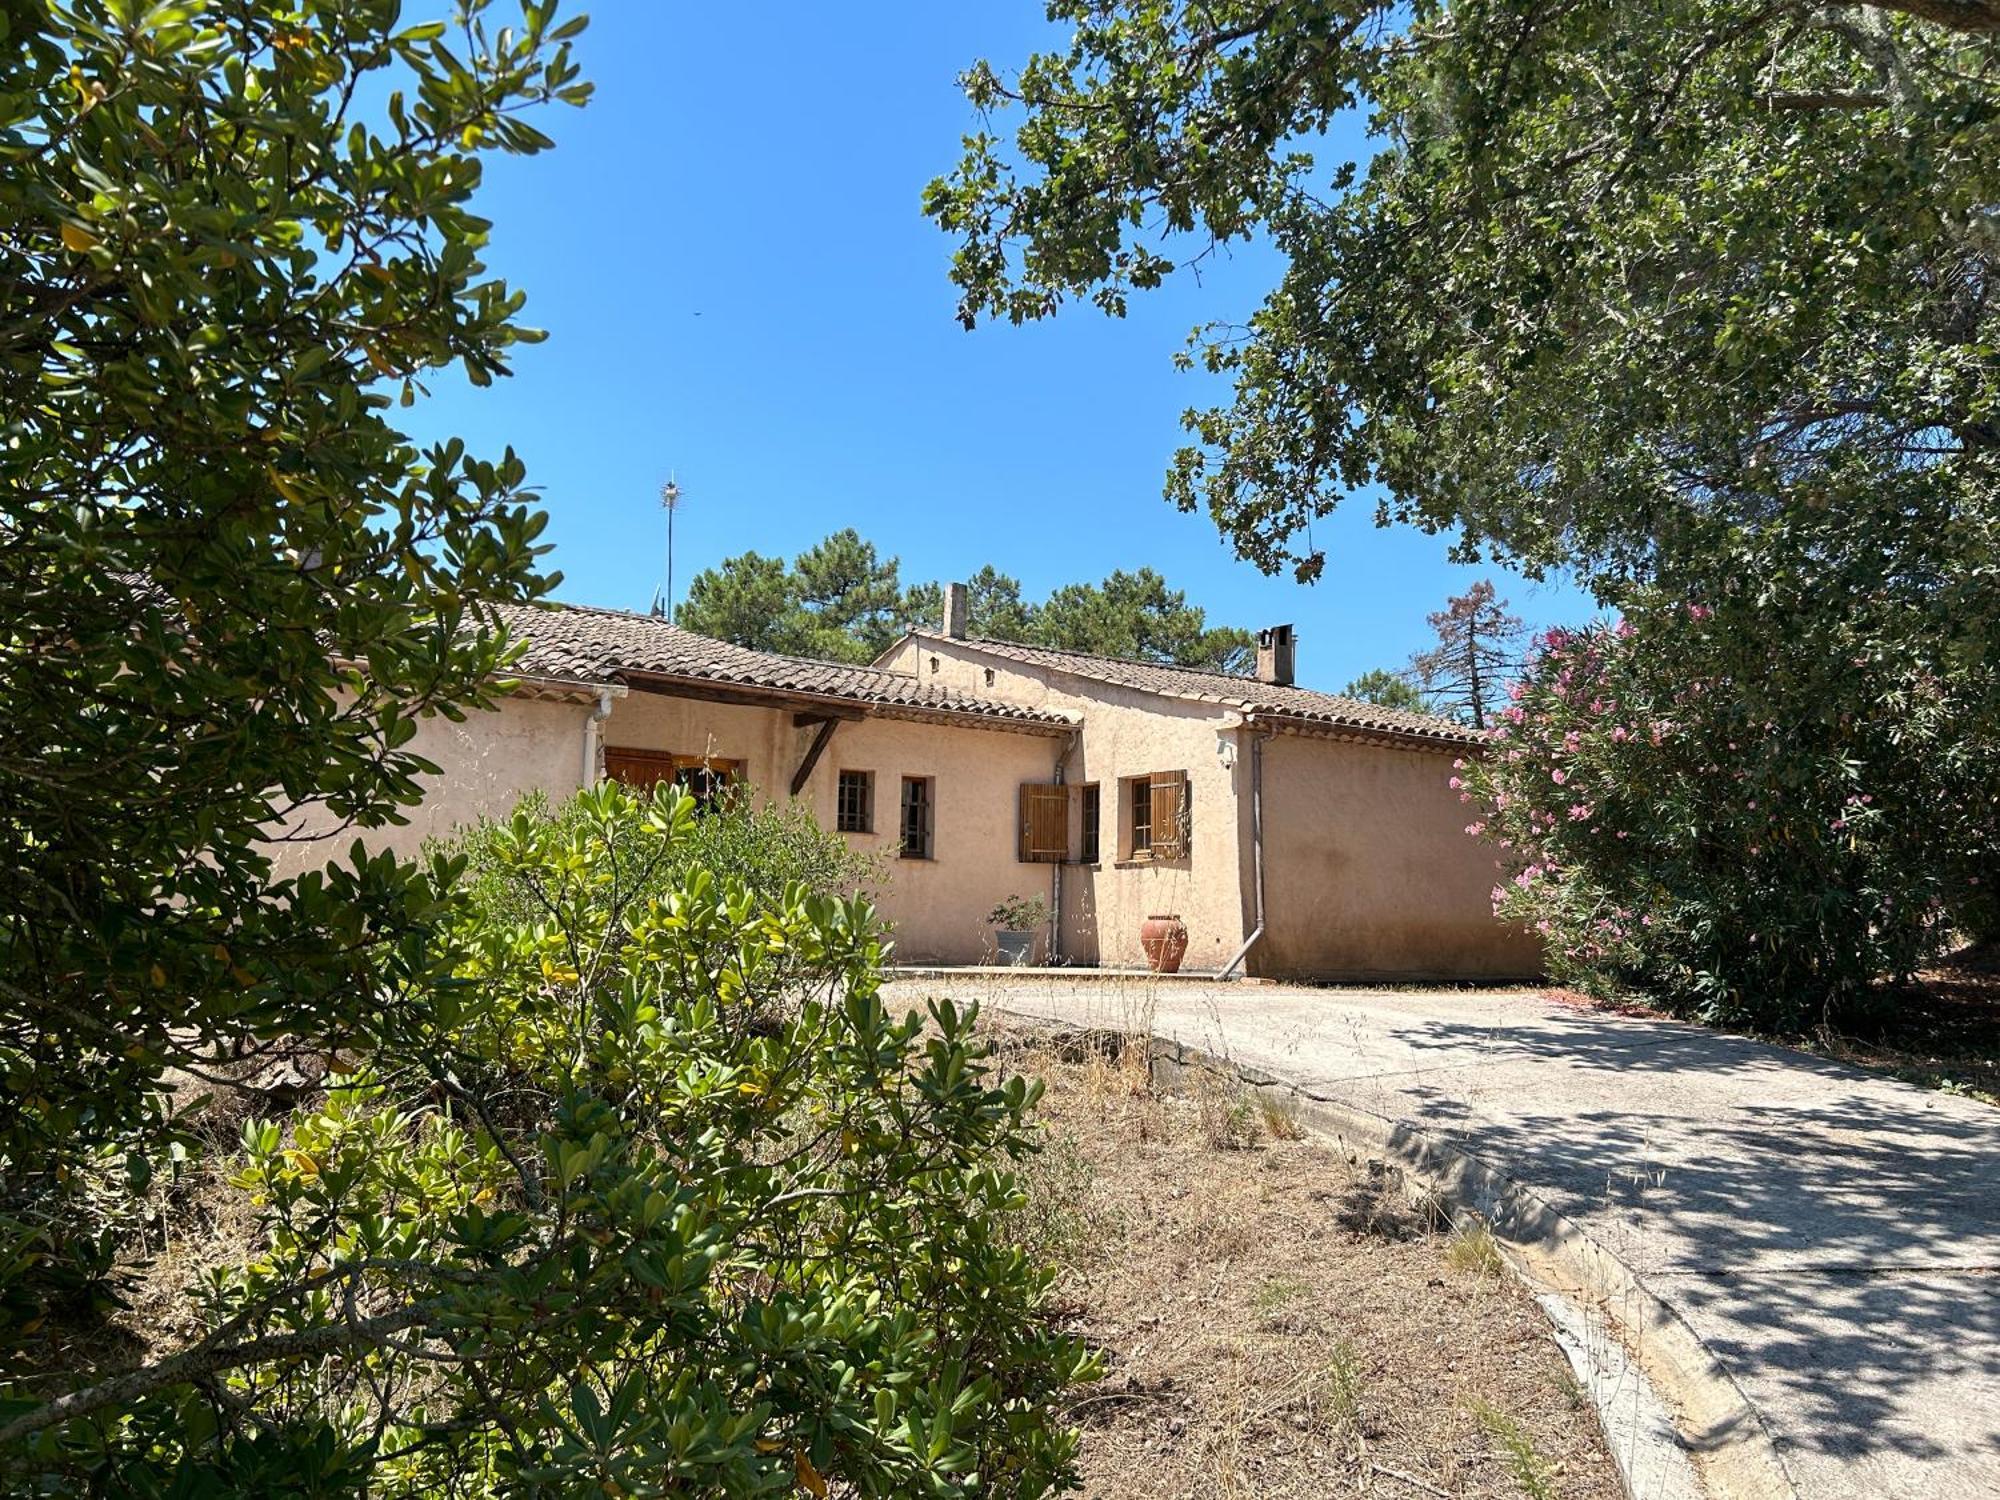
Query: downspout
{"type": "Point", "coordinates": [1055, 877]}
{"type": "Point", "coordinates": [1257, 738]}
{"type": "Point", "coordinates": [590, 736]}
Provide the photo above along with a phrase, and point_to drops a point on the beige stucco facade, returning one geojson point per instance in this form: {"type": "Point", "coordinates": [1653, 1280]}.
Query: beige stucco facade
{"type": "Point", "coordinates": [1126, 733]}
{"type": "Point", "coordinates": [486, 763]}
{"type": "Point", "coordinates": [937, 906]}
{"type": "Point", "coordinates": [1369, 873]}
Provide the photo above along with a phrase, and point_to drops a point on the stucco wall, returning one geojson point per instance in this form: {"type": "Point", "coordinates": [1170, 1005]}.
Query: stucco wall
{"type": "Point", "coordinates": [1127, 733]}
{"type": "Point", "coordinates": [1370, 873]}
{"type": "Point", "coordinates": [488, 763]}
{"type": "Point", "coordinates": [937, 906]}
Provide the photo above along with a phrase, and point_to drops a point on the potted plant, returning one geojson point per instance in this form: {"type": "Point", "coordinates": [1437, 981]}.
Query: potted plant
{"type": "Point", "coordinates": [1018, 919]}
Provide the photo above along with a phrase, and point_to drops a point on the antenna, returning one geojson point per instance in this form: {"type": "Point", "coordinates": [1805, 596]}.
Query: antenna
{"type": "Point", "coordinates": [670, 501]}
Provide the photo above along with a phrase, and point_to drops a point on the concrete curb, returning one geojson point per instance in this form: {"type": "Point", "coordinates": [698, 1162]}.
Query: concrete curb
{"type": "Point", "coordinates": [1723, 1434]}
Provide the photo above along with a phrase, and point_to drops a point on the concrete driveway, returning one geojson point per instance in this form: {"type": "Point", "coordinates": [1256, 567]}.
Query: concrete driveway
{"type": "Point", "coordinates": [1831, 1237]}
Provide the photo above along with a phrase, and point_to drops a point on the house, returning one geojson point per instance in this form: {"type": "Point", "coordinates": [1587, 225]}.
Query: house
{"type": "Point", "coordinates": [1293, 832]}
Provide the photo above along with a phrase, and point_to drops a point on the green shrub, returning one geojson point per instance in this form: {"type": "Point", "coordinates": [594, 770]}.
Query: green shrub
{"type": "Point", "coordinates": [664, 1202]}
{"type": "Point", "coordinates": [1737, 816]}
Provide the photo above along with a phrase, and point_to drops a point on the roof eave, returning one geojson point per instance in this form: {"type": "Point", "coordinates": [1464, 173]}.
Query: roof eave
{"type": "Point", "coordinates": [690, 684]}
{"type": "Point", "coordinates": [1329, 729]}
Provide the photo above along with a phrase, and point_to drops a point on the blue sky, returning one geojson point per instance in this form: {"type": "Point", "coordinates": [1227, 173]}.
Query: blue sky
{"type": "Point", "coordinates": [739, 288]}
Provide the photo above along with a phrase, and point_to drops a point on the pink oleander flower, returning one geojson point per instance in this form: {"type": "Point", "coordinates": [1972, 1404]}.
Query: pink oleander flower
{"type": "Point", "coordinates": [1475, 829]}
{"type": "Point", "coordinates": [1579, 811]}
{"type": "Point", "coordinates": [1559, 776]}
{"type": "Point", "coordinates": [1620, 735]}
{"type": "Point", "coordinates": [1455, 783]}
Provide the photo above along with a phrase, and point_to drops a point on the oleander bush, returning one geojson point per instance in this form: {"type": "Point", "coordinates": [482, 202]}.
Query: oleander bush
{"type": "Point", "coordinates": [1727, 810]}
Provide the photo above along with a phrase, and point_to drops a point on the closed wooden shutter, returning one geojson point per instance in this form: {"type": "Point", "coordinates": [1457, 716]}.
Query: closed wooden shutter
{"type": "Point", "coordinates": [1044, 822]}
{"type": "Point", "coordinates": [1170, 814]}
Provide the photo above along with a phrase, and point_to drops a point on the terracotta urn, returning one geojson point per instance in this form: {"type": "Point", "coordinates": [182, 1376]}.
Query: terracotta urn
{"type": "Point", "coordinates": [1165, 939]}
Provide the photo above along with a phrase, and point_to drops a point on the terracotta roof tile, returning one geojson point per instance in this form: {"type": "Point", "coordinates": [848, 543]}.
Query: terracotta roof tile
{"type": "Point", "coordinates": [1245, 694]}
{"type": "Point", "coordinates": [588, 644]}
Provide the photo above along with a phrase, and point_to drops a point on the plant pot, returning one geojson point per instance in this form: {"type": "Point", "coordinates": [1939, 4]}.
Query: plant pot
{"type": "Point", "coordinates": [1165, 939]}
{"type": "Point", "coordinates": [1016, 948]}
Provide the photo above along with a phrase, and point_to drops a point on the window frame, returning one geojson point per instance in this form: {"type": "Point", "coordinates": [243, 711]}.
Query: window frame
{"type": "Point", "coordinates": [668, 766]}
{"type": "Point", "coordinates": [927, 801]}
{"type": "Point", "coordinates": [1090, 824]}
{"type": "Point", "coordinates": [841, 782]}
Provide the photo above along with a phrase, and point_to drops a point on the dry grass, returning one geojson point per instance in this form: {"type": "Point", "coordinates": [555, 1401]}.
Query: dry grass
{"type": "Point", "coordinates": [1282, 1321]}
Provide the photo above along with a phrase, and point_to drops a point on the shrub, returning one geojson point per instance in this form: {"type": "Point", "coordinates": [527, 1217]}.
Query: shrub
{"type": "Point", "coordinates": [1748, 815]}
{"type": "Point", "coordinates": [664, 1202]}
{"type": "Point", "coordinates": [1020, 914]}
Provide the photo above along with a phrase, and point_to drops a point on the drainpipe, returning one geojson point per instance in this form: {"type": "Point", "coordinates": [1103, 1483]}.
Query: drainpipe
{"type": "Point", "coordinates": [1055, 878]}
{"type": "Point", "coordinates": [1257, 739]}
{"type": "Point", "coordinates": [597, 716]}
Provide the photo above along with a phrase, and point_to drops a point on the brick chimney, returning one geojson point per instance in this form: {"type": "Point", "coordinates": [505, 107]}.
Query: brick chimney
{"type": "Point", "coordinates": [956, 609]}
{"type": "Point", "coordinates": [1277, 655]}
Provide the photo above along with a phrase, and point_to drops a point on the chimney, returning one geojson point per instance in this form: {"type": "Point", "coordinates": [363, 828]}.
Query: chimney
{"type": "Point", "coordinates": [955, 610]}
{"type": "Point", "coordinates": [1277, 655]}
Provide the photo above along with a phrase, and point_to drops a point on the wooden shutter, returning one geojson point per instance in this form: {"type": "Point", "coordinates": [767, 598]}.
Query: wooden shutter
{"type": "Point", "coordinates": [1044, 822]}
{"type": "Point", "coordinates": [1170, 814]}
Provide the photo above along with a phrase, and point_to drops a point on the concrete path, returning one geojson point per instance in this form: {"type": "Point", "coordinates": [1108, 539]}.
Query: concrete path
{"type": "Point", "coordinates": [1833, 1238]}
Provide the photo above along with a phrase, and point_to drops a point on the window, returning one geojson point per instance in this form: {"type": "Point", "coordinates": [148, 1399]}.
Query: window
{"type": "Point", "coordinates": [709, 779]}
{"type": "Point", "coordinates": [1087, 842]}
{"type": "Point", "coordinates": [918, 820]}
{"type": "Point", "coordinates": [1044, 823]}
{"type": "Point", "coordinates": [854, 802]}
{"type": "Point", "coordinates": [1156, 816]}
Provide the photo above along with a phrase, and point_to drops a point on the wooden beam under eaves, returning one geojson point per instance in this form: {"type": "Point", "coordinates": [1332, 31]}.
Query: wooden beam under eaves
{"type": "Point", "coordinates": [813, 752]}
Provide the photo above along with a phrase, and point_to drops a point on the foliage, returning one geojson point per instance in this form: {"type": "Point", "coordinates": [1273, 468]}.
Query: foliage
{"type": "Point", "coordinates": [690, 1213]}
{"type": "Point", "coordinates": [769, 846]}
{"type": "Point", "coordinates": [229, 587]}
{"type": "Point", "coordinates": [1136, 615]}
{"type": "Point", "coordinates": [1478, 649]}
{"type": "Point", "coordinates": [1695, 299]}
{"type": "Point", "coordinates": [1386, 688]}
{"type": "Point", "coordinates": [1668, 831]}
{"type": "Point", "coordinates": [1741, 276]}
{"type": "Point", "coordinates": [1020, 914]}
{"type": "Point", "coordinates": [841, 602]}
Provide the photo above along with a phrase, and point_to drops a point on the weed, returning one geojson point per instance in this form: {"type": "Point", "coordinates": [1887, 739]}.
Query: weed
{"type": "Point", "coordinates": [1344, 1386]}
{"type": "Point", "coordinates": [1473, 1250]}
{"type": "Point", "coordinates": [1230, 1120]}
{"type": "Point", "coordinates": [1527, 1466]}
{"type": "Point", "coordinates": [1062, 1220]}
{"type": "Point", "coordinates": [1277, 1293]}
{"type": "Point", "coordinates": [1281, 1117]}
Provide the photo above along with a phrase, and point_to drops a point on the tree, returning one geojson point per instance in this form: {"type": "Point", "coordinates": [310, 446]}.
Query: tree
{"type": "Point", "coordinates": [229, 586]}
{"type": "Point", "coordinates": [995, 610]}
{"type": "Point", "coordinates": [1740, 280]}
{"type": "Point", "coordinates": [839, 600]}
{"type": "Point", "coordinates": [1478, 649]}
{"type": "Point", "coordinates": [1388, 689]}
{"type": "Point", "coordinates": [1694, 299]}
{"type": "Point", "coordinates": [1136, 615]}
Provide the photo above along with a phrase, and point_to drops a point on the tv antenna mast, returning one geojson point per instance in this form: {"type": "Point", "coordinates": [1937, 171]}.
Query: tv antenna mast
{"type": "Point", "coordinates": [670, 501]}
